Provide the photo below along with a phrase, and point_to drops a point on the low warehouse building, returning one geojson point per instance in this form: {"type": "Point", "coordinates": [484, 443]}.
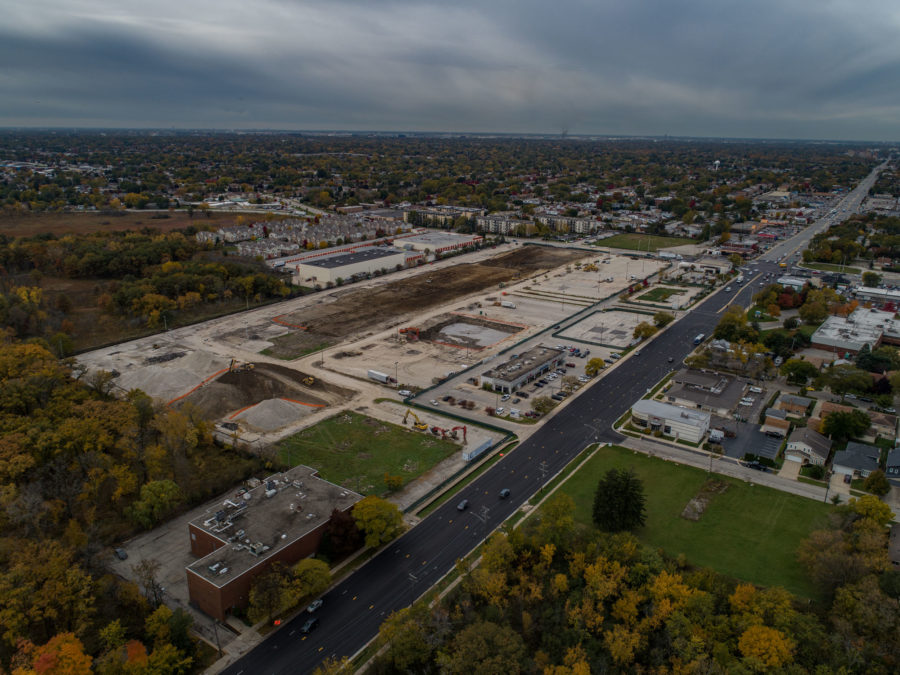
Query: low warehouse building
{"type": "Point", "coordinates": [281, 520]}
{"type": "Point", "coordinates": [365, 261]}
{"type": "Point", "coordinates": [523, 368]}
{"type": "Point", "coordinates": [672, 420]}
{"type": "Point", "coordinates": [439, 242]}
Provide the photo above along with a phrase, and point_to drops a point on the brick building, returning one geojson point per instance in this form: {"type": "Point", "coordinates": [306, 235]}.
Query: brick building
{"type": "Point", "coordinates": [280, 520]}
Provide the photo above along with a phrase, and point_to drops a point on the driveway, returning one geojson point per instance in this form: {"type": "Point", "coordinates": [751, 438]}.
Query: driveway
{"type": "Point", "coordinates": [836, 485]}
{"type": "Point", "coordinates": [790, 470]}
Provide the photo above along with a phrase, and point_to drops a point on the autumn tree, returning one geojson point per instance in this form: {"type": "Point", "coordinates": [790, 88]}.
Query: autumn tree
{"type": "Point", "coordinates": [765, 649]}
{"type": "Point", "coordinates": [484, 647]}
{"type": "Point", "coordinates": [378, 520]}
{"type": "Point", "coordinates": [619, 502]}
{"type": "Point", "coordinates": [662, 319]}
{"type": "Point", "coordinates": [594, 366]}
{"type": "Point", "coordinates": [644, 330]}
{"type": "Point", "coordinates": [798, 371]}
{"type": "Point", "coordinates": [311, 577]}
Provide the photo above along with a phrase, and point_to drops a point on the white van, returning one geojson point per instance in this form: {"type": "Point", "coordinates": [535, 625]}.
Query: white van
{"type": "Point", "coordinates": [756, 390]}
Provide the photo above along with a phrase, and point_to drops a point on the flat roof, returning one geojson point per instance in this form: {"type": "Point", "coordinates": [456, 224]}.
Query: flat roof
{"type": "Point", "coordinates": [438, 239]}
{"type": "Point", "coordinates": [260, 522]}
{"type": "Point", "coordinates": [523, 363]}
{"type": "Point", "coordinates": [694, 418]}
{"type": "Point", "coordinates": [360, 255]}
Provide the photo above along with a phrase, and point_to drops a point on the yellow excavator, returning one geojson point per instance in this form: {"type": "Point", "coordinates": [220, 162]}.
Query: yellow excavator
{"type": "Point", "coordinates": [419, 425]}
{"type": "Point", "coordinates": [309, 381]}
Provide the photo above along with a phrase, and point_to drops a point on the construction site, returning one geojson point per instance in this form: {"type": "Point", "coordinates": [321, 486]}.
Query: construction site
{"type": "Point", "coordinates": [265, 374]}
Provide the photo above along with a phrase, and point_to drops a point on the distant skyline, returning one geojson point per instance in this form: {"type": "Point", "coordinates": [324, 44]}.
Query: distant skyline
{"type": "Point", "coordinates": [701, 68]}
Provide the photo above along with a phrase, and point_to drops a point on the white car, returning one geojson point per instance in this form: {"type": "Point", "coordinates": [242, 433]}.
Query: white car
{"type": "Point", "coordinates": [499, 411]}
{"type": "Point", "coordinates": [434, 402]}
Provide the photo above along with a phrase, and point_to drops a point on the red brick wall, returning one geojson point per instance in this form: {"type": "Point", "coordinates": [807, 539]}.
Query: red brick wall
{"type": "Point", "coordinates": [236, 593]}
{"type": "Point", "coordinates": [202, 542]}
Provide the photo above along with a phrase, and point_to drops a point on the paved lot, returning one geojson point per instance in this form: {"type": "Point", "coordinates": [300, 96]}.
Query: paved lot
{"type": "Point", "coordinates": [750, 439]}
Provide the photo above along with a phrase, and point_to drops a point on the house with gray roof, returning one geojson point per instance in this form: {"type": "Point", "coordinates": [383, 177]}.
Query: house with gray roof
{"type": "Point", "coordinates": [892, 466]}
{"type": "Point", "coordinates": [858, 460]}
{"type": "Point", "coordinates": [807, 447]}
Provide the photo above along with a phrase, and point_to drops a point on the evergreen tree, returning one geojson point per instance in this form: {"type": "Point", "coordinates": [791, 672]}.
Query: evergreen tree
{"type": "Point", "coordinates": [619, 502]}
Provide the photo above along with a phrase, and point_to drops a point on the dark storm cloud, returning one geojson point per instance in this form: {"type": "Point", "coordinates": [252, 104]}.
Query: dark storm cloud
{"type": "Point", "coordinates": [762, 68]}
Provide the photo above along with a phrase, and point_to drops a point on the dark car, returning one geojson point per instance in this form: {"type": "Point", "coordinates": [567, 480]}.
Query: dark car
{"type": "Point", "coordinates": [504, 493]}
{"type": "Point", "coordinates": [671, 359]}
{"type": "Point", "coordinates": [523, 394]}
{"type": "Point", "coordinates": [848, 478]}
{"type": "Point", "coordinates": [121, 553]}
{"type": "Point", "coordinates": [463, 505]}
{"type": "Point", "coordinates": [309, 626]}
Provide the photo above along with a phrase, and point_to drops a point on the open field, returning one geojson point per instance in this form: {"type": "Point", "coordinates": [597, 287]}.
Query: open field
{"type": "Point", "coordinates": [643, 242]}
{"type": "Point", "coordinates": [659, 294]}
{"type": "Point", "coordinates": [749, 532]}
{"type": "Point", "coordinates": [30, 224]}
{"type": "Point", "coordinates": [356, 451]}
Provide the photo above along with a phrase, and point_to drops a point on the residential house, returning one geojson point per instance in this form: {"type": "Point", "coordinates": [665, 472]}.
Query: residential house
{"type": "Point", "coordinates": [892, 466]}
{"type": "Point", "coordinates": [776, 423]}
{"type": "Point", "coordinates": [807, 447]}
{"type": "Point", "coordinates": [858, 460]}
{"type": "Point", "coordinates": [883, 424]}
{"type": "Point", "coordinates": [793, 405]}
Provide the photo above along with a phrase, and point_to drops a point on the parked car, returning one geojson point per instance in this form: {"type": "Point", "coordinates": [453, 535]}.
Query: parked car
{"type": "Point", "coordinates": [523, 394]}
{"type": "Point", "coordinates": [570, 365]}
{"type": "Point", "coordinates": [121, 553]}
{"type": "Point", "coordinates": [505, 397]}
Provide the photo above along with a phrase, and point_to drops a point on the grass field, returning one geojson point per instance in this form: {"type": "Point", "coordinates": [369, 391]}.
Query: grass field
{"type": "Point", "coordinates": [643, 242]}
{"type": "Point", "coordinates": [750, 533]}
{"type": "Point", "coordinates": [356, 451]}
{"type": "Point", "coordinates": [659, 294]}
{"type": "Point", "coordinates": [828, 267]}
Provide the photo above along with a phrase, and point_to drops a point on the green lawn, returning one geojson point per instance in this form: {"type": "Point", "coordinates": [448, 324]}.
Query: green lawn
{"type": "Point", "coordinates": [643, 242]}
{"type": "Point", "coordinates": [828, 267]}
{"type": "Point", "coordinates": [356, 451]}
{"type": "Point", "coordinates": [659, 294]}
{"type": "Point", "coordinates": [750, 533]}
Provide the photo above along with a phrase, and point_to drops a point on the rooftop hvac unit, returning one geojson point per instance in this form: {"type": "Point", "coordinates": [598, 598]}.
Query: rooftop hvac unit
{"type": "Point", "coordinates": [214, 568]}
{"type": "Point", "coordinates": [224, 570]}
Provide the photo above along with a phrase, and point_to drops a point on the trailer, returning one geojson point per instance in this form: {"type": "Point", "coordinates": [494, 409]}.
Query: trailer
{"type": "Point", "coordinates": [384, 378]}
{"type": "Point", "coordinates": [508, 304]}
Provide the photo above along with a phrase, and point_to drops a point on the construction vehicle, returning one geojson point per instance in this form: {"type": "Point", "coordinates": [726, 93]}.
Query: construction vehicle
{"type": "Point", "coordinates": [236, 367]}
{"type": "Point", "coordinates": [454, 430]}
{"type": "Point", "coordinates": [438, 431]}
{"type": "Point", "coordinates": [309, 381]}
{"type": "Point", "coordinates": [418, 425]}
{"type": "Point", "coordinates": [411, 333]}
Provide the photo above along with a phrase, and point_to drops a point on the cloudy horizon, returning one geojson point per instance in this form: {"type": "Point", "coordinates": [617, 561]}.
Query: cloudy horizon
{"type": "Point", "coordinates": [703, 68]}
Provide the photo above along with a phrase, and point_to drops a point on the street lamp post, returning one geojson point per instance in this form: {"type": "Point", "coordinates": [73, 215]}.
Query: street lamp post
{"type": "Point", "coordinates": [397, 373]}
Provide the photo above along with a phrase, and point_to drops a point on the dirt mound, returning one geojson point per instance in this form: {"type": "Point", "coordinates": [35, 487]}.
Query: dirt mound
{"type": "Point", "coordinates": [233, 390]}
{"type": "Point", "coordinates": [695, 508]}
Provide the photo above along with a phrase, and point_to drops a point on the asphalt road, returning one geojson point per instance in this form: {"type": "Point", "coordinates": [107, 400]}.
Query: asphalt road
{"type": "Point", "coordinates": [355, 608]}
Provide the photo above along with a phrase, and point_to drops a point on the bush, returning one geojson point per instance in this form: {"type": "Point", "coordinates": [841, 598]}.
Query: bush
{"type": "Point", "coordinates": [815, 471]}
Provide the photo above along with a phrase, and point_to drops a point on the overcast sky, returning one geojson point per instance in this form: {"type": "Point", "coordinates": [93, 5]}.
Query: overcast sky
{"type": "Point", "coordinates": [755, 68]}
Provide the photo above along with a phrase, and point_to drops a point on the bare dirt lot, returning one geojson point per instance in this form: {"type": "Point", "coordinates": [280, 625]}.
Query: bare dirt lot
{"type": "Point", "coordinates": [356, 311]}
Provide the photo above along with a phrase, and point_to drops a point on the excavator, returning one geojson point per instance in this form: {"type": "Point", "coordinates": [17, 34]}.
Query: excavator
{"type": "Point", "coordinates": [454, 430]}
{"type": "Point", "coordinates": [411, 333]}
{"type": "Point", "coordinates": [309, 381]}
{"type": "Point", "coordinates": [418, 425]}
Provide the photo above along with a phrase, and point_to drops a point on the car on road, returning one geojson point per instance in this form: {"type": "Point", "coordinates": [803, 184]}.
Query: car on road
{"type": "Point", "coordinates": [463, 505]}
{"type": "Point", "coordinates": [504, 493]}
{"type": "Point", "coordinates": [671, 359]}
{"type": "Point", "coordinates": [314, 605]}
{"type": "Point", "coordinates": [728, 289]}
{"type": "Point", "coordinates": [434, 402]}
{"type": "Point", "coordinates": [309, 626]}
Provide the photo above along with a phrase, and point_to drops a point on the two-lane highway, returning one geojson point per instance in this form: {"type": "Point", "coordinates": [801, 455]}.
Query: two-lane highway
{"type": "Point", "coordinates": [355, 608]}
